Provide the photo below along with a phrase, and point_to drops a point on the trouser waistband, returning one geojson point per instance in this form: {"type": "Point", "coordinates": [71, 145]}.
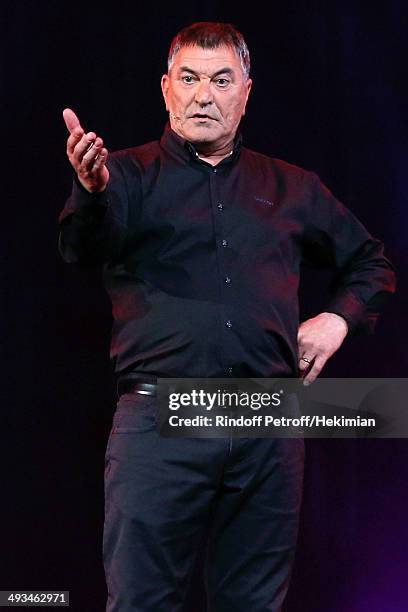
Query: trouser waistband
{"type": "Point", "coordinates": [136, 384]}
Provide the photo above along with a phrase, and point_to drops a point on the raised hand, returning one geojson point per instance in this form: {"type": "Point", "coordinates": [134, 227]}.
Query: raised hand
{"type": "Point", "coordinates": [318, 339]}
{"type": "Point", "coordinates": [86, 154]}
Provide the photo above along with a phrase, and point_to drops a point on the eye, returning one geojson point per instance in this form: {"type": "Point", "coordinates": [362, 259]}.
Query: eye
{"type": "Point", "coordinates": [222, 82]}
{"type": "Point", "coordinates": [188, 79]}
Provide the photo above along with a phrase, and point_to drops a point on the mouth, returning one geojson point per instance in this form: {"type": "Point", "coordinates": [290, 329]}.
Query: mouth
{"type": "Point", "coordinates": [201, 116]}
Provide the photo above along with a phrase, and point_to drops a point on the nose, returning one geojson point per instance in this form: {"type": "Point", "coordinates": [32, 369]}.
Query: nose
{"type": "Point", "coordinates": [203, 93]}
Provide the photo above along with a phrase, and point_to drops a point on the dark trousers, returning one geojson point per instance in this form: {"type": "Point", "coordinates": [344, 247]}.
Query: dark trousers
{"type": "Point", "coordinates": [161, 493]}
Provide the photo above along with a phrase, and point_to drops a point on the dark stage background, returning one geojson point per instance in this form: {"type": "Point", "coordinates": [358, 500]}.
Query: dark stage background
{"type": "Point", "coordinates": [330, 95]}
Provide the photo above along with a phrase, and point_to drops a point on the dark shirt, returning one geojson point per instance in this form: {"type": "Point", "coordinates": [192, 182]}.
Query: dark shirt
{"type": "Point", "coordinates": [202, 263]}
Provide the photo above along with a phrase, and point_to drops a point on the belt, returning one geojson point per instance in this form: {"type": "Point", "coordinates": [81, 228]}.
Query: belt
{"type": "Point", "coordinates": [134, 386]}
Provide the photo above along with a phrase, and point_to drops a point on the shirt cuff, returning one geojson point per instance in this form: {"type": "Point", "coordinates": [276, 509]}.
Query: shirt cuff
{"type": "Point", "coordinates": [352, 310]}
{"type": "Point", "coordinates": [81, 199]}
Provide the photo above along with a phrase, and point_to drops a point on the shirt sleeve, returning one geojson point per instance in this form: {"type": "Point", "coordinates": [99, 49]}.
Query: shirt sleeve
{"type": "Point", "coordinates": [365, 279]}
{"type": "Point", "coordinates": [93, 226]}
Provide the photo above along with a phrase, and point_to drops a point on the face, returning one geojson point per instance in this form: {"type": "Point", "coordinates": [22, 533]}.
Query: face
{"type": "Point", "coordinates": [206, 93]}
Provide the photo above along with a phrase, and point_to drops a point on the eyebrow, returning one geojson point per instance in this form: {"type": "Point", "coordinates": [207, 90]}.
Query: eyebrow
{"type": "Point", "coordinates": [224, 70]}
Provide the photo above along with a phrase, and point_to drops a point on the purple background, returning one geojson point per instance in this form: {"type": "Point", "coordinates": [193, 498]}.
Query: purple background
{"type": "Point", "coordinates": [329, 95]}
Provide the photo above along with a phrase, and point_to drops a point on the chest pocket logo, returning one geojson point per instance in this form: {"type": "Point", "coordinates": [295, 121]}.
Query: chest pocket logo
{"type": "Point", "coordinates": [264, 201]}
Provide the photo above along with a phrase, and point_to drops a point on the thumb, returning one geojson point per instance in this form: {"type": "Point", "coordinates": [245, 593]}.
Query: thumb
{"type": "Point", "coordinates": [71, 120]}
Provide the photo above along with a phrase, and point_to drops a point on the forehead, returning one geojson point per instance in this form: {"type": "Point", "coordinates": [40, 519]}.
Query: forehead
{"type": "Point", "coordinates": [202, 60]}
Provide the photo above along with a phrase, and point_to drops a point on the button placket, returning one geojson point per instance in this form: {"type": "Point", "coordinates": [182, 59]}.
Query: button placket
{"type": "Point", "coordinates": [221, 244]}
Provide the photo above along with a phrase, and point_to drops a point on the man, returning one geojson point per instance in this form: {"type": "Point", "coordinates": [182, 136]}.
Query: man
{"type": "Point", "coordinates": [201, 241]}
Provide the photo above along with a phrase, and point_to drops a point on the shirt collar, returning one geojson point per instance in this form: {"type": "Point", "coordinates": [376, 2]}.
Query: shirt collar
{"type": "Point", "coordinates": [186, 151]}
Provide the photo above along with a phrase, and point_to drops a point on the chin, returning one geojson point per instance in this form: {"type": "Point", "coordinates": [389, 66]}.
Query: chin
{"type": "Point", "coordinates": [202, 134]}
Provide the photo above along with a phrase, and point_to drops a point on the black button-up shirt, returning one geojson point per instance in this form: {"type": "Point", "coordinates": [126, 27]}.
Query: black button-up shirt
{"type": "Point", "coordinates": [201, 263]}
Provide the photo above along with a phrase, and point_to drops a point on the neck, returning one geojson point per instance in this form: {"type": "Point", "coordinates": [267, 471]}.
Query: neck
{"type": "Point", "coordinates": [210, 152]}
{"type": "Point", "coordinates": [213, 155]}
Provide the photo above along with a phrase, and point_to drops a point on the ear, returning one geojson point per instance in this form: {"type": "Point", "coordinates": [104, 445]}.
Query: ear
{"type": "Point", "coordinates": [165, 88]}
{"type": "Point", "coordinates": [248, 86]}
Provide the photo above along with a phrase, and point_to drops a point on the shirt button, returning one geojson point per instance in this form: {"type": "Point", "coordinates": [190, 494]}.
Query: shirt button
{"type": "Point", "coordinates": [215, 170]}
{"type": "Point", "coordinates": [220, 206]}
{"type": "Point", "coordinates": [228, 323]}
{"type": "Point", "coordinates": [224, 243]}
{"type": "Point", "coordinates": [227, 279]}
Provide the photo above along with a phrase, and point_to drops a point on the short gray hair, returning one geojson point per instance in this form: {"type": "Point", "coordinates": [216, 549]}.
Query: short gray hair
{"type": "Point", "coordinates": [210, 35]}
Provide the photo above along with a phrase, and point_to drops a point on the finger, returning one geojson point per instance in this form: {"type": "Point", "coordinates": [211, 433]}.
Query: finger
{"type": "Point", "coordinates": [71, 120]}
{"type": "Point", "coordinates": [305, 365]}
{"type": "Point", "coordinates": [314, 370]}
{"type": "Point", "coordinates": [100, 160]}
{"type": "Point", "coordinates": [82, 147]}
{"type": "Point", "coordinates": [73, 139]}
{"type": "Point", "coordinates": [91, 154]}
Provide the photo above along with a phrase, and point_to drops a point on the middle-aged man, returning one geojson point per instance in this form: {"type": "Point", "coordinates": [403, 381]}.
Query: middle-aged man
{"type": "Point", "coordinates": [201, 241]}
